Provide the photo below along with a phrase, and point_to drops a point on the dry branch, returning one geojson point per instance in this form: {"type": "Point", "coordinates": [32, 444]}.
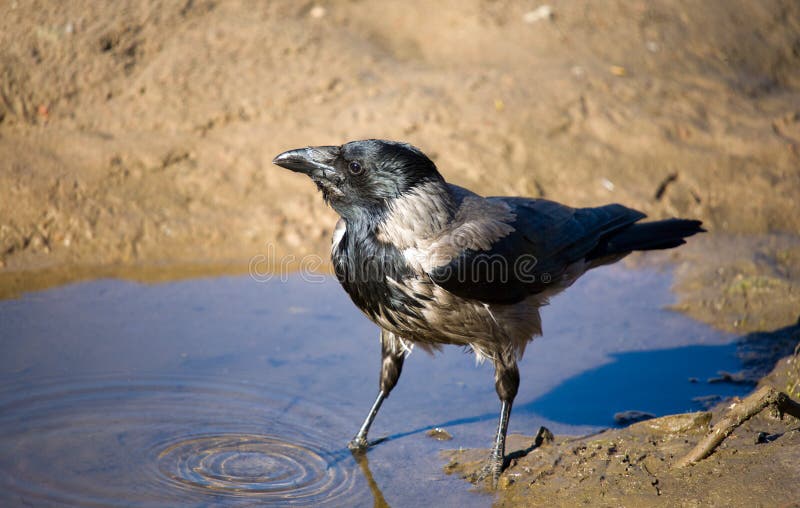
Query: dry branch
{"type": "Point", "coordinates": [737, 415]}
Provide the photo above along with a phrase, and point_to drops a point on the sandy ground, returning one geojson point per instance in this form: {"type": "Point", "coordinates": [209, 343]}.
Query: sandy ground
{"type": "Point", "coordinates": [143, 132]}
{"type": "Point", "coordinates": [637, 466]}
{"type": "Point", "coordinates": [136, 137]}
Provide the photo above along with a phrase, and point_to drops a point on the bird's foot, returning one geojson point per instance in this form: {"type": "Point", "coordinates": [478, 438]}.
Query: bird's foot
{"type": "Point", "coordinates": [358, 444]}
{"type": "Point", "coordinates": [490, 471]}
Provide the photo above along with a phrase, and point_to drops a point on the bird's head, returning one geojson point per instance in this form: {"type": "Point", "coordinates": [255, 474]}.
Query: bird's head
{"type": "Point", "coordinates": [362, 176]}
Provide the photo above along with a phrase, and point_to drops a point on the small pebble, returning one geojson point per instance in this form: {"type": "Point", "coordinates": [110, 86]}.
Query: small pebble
{"type": "Point", "coordinates": [618, 70]}
{"type": "Point", "coordinates": [505, 482]}
{"type": "Point", "coordinates": [317, 12]}
{"type": "Point", "coordinates": [439, 434]}
{"type": "Point", "coordinates": [632, 416]}
{"type": "Point", "coordinates": [678, 424]}
{"type": "Point", "coordinates": [540, 13]}
{"type": "Point", "coordinates": [731, 377]}
{"type": "Point", "coordinates": [543, 436]}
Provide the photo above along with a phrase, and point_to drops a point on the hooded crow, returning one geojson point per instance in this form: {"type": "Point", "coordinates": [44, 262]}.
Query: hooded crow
{"type": "Point", "coordinates": [432, 263]}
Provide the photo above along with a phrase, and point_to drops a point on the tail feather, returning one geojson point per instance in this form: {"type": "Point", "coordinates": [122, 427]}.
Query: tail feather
{"type": "Point", "coordinates": [663, 234]}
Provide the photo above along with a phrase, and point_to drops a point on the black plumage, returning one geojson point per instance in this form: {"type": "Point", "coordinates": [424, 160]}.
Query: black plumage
{"type": "Point", "coordinates": [361, 262]}
{"type": "Point", "coordinates": [434, 264]}
{"type": "Point", "coordinates": [549, 235]}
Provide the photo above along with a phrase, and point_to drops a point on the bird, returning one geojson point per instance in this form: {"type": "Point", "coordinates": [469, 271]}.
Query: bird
{"type": "Point", "coordinates": [435, 264]}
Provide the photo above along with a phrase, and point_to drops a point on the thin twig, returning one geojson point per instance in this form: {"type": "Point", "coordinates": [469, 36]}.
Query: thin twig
{"type": "Point", "coordinates": [737, 415]}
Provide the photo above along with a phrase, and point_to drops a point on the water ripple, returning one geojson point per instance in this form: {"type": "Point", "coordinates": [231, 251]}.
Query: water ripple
{"type": "Point", "coordinates": [169, 441]}
{"type": "Point", "coordinates": [249, 464]}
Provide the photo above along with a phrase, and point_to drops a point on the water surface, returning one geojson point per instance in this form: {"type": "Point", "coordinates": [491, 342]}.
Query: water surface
{"type": "Point", "coordinates": [227, 391]}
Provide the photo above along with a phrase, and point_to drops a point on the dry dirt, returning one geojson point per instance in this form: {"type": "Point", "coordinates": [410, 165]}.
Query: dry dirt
{"type": "Point", "coordinates": [136, 136]}
{"type": "Point", "coordinates": [142, 132]}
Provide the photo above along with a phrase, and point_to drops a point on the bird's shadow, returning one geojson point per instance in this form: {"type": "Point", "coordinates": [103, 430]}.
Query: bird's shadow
{"type": "Point", "coordinates": [636, 380]}
{"type": "Point", "coordinates": [665, 381]}
{"type": "Point", "coordinates": [379, 500]}
{"type": "Point", "coordinates": [757, 354]}
{"type": "Point", "coordinates": [627, 382]}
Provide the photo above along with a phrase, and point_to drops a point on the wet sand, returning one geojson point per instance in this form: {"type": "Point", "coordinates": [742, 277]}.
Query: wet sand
{"type": "Point", "coordinates": [637, 465]}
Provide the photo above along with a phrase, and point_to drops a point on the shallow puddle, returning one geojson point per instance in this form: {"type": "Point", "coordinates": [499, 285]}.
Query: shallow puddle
{"type": "Point", "coordinates": [229, 391]}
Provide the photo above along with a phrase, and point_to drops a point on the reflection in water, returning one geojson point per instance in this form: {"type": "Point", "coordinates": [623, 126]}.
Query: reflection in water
{"type": "Point", "coordinates": [363, 462]}
{"type": "Point", "coordinates": [227, 392]}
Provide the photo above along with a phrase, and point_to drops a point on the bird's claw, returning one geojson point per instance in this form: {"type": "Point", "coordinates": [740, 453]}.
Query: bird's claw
{"type": "Point", "coordinates": [358, 444]}
{"type": "Point", "coordinates": [490, 470]}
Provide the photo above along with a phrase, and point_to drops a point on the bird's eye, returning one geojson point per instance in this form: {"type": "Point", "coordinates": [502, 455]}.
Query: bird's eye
{"type": "Point", "coordinates": [355, 168]}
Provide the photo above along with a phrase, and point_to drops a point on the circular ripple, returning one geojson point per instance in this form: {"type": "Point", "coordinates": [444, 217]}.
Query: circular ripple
{"type": "Point", "coordinates": [168, 441]}
{"type": "Point", "coordinates": [250, 464]}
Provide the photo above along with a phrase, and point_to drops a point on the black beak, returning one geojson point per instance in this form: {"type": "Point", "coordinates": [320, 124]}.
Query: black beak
{"type": "Point", "coordinates": [314, 161]}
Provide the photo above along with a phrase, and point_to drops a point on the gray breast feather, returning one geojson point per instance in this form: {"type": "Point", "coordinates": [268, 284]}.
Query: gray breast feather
{"type": "Point", "coordinates": [433, 228]}
{"type": "Point", "coordinates": [338, 234]}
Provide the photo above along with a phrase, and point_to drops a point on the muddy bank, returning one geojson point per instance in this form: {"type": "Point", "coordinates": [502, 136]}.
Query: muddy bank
{"type": "Point", "coordinates": [638, 465]}
{"type": "Point", "coordinates": [739, 283]}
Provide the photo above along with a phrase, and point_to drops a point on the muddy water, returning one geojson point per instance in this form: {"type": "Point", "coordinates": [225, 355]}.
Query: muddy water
{"type": "Point", "coordinates": [229, 391]}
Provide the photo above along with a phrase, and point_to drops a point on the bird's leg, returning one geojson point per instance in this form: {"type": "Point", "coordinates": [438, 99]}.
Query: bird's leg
{"type": "Point", "coordinates": [495, 463]}
{"type": "Point", "coordinates": [506, 383]}
{"type": "Point", "coordinates": [392, 356]}
{"type": "Point", "coordinates": [359, 442]}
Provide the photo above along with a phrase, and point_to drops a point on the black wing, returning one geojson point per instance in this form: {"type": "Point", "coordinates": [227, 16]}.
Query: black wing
{"type": "Point", "coordinates": [547, 238]}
